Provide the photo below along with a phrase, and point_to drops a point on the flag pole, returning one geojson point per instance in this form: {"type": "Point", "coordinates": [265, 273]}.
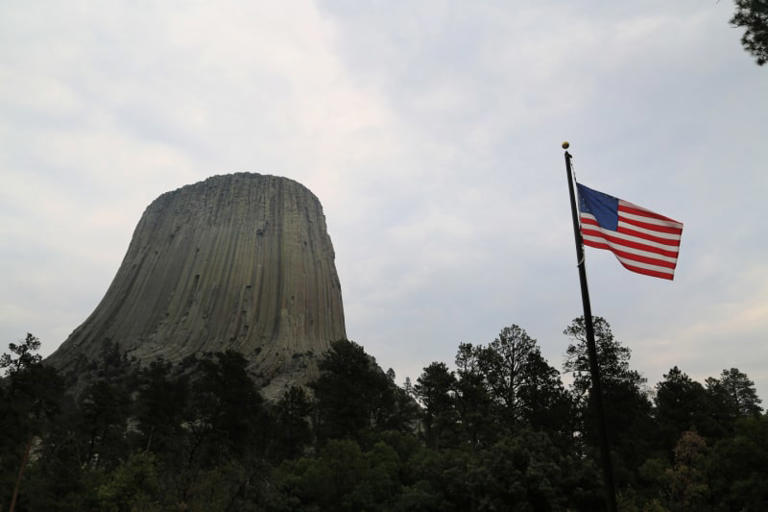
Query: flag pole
{"type": "Point", "coordinates": [597, 392]}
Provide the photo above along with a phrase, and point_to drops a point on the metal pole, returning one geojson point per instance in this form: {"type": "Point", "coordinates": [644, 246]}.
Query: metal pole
{"type": "Point", "coordinates": [597, 391]}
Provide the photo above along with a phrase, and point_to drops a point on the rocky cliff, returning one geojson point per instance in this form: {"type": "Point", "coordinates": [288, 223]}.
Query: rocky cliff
{"type": "Point", "coordinates": [241, 261]}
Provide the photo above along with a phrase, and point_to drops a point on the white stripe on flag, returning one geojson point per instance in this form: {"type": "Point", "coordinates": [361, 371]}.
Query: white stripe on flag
{"type": "Point", "coordinates": [630, 238]}
{"type": "Point", "coordinates": [624, 236]}
{"type": "Point", "coordinates": [646, 266]}
{"type": "Point", "coordinates": [631, 250]}
{"type": "Point", "coordinates": [648, 231]}
{"type": "Point", "coordinates": [649, 220]}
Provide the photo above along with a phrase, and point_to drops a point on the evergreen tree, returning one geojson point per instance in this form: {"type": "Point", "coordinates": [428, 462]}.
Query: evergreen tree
{"type": "Point", "coordinates": [435, 389]}
{"type": "Point", "coordinates": [753, 16]}
{"type": "Point", "coordinates": [738, 466]}
{"type": "Point", "coordinates": [738, 391]}
{"type": "Point", "coordinates": [292, 430]}
{"type": "Point", "coordinates": [30, 397]}
{"type": "Point", "coordinates": [160, 404]}
{"type": "Point", "coordinates": [104, 413]}
{"type": "Point", "coordinates": [476, 415]}
{"type": "Point", "coordinates": [728, 398]}
{"type": "Point", "coordinates": [226, 410]}
{"type": "Point", "coordinates": [627, 407]}
{"type": "Point", "coordinates": [505, 366]}
{"type": "Point", "coordinates": [523, 389]}
{"type": "Point", "coordinates": [680, 405]}
{"type": "Point", "coordinates": [684, 487]}
{"type": "Point", "coordinates": [353, 395]}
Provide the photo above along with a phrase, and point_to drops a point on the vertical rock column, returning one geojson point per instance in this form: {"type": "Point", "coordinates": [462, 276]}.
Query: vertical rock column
{"type": "Point", "coordinates": [240, 261]}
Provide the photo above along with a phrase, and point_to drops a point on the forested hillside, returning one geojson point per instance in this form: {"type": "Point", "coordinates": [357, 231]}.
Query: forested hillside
{"type": "Point", "coordinates": [496, 429]}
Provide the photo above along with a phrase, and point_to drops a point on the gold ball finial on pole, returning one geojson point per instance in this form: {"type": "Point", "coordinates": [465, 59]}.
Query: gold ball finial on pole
{"type": "Point", "coordinates": [566, 145]}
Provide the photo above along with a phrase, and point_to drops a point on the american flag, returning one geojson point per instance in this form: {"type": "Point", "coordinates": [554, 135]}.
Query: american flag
{"type": "Point", "coordinates": [643, 241]}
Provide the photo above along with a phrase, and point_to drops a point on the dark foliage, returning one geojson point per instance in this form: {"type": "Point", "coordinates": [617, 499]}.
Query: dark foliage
{"type": "Point", "coordinates": [681, 405]}
{"type": "Point", "coordinates": [628, 419]}
{"type": "Point", "coordinates": [500, 432]}
{"type": "Point", "coordinates": [752, 15]}
{"type": "Point", "coordinates": [354, 395]}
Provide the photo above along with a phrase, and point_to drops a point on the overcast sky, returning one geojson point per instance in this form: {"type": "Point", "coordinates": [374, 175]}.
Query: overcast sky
{"type": "Point", "coordinates": [431, 133]}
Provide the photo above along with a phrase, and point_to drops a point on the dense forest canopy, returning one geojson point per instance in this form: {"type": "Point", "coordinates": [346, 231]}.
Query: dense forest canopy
{"type": "Point", "coordinates": [497, 430]}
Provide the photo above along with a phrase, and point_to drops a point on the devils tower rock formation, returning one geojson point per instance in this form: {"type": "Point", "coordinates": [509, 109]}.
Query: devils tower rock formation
{"type": "Point", "coordinates": [240, 261]}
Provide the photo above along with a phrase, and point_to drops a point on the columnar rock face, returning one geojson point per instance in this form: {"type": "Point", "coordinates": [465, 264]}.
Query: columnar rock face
{"type": "Point", "coordinates": [240, 261]}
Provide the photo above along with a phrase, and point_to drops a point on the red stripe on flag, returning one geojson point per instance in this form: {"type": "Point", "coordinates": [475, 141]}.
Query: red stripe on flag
{"type": "Point", "coordinates": [597, 245]}
{"type": "Point", "coordinates": [645, 259]}
{"type": "Point", "coordinates": [635, 257]}
{"type": "Point", "coordinates": [654, 227]}
{"type": "Point", "coordinates": [642, 211]}
{"type": "Point", "coordinates": [646, 236]}
{"type": "Point", "coordinates": [658, 263]}
{"type": "Point", "coordinates": [648, 272]}
{"type": "Point", "coordinates": [633, 268]}
{"type": "Point", "coordinates": [639, 234]}
{"type": "Point", "coordinates": [628, 243]}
